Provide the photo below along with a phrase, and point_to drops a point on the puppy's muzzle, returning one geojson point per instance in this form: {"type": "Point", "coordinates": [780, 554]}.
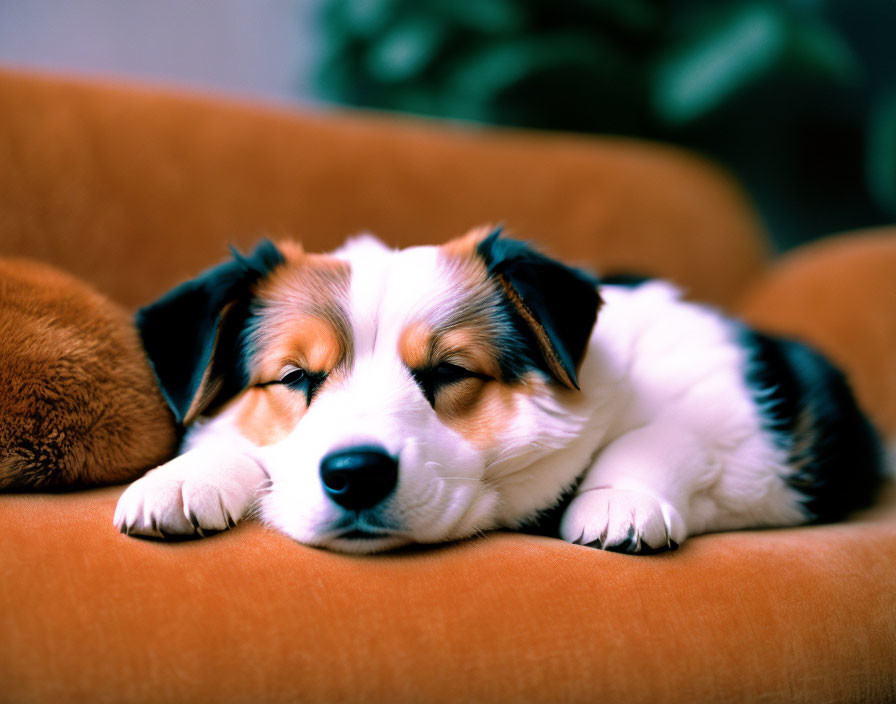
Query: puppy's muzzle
{"type": "Point", "coordinates": [357, 478]}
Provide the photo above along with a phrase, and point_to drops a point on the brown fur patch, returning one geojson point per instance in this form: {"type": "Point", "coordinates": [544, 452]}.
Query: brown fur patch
{"type": "Point", "coordinates": [78, 402]}
{"type": "Point", "coordinates": [479, 412]}
{"type": "Point", "coordinates": [306, 342]}
{"type": "Point", "coordinates": [466, 335]}
{"type": "Point", "coordinates": [457, 401]}
{"type": "Point", "coordinates": [477, 296]}
{"type": "Point", "coordinates": [415, 345]}
{"type": "Point", "coordinates": [267, 414]}
{"type": "Point", "coordinates": [475, 407]}
{"type": "Point", "coordinates": [304, 324]}
{"type": "Point", "coordinates": [472, 348]}
{"type": "Point", "coordinates": [421, 346]}
{"type": "Point", "coordinates": [304, 319]}
{"type": "Point", "coordinates": [465, 245]}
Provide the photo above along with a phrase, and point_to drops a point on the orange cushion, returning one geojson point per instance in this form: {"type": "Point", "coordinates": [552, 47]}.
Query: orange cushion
{"type": "Point", "coordinates": [89, 615]}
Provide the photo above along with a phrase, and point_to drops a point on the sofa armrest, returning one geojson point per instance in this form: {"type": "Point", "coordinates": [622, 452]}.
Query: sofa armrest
{"type": "Point", "coordinates": [840, 295]}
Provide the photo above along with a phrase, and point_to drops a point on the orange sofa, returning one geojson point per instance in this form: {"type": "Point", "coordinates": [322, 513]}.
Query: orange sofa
{"type": "Point", "coordinates": [134, 190]}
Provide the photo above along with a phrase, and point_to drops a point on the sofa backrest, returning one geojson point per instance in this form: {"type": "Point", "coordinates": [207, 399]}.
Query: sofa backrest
{"type": "Point", "coordinates": [136, 189]}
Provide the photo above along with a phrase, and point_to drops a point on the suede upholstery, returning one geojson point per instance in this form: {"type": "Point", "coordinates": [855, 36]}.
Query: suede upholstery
{"type": "Point", "coordinates": [136, 189]}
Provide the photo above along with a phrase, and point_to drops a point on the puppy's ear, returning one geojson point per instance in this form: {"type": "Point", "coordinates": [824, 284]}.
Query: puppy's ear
{"type": "Point", "coordinates": [192, 335]}
{"type": "Point", "coordinates": [557, 304]}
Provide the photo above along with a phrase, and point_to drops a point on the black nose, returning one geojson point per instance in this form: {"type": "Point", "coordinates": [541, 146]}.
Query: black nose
{"type": "Point", "coordinates": [359, 477]}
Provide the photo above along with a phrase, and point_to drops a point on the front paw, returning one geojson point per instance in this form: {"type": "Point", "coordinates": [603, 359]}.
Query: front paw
{"type": "Point", "coordinates": [180, 498]}
{"type": "Point", "coordinates": [623, 520]}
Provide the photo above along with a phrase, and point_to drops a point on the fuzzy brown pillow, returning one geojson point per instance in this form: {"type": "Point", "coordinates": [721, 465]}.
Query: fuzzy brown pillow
{"type": "Point", "coordinates": [78, 402]}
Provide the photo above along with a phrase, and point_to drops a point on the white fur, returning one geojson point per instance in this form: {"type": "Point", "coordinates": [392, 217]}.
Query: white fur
{"type": "Point", "coordinates": [664, 426]}
{"type": "Point", "coordinates": [207, 488]}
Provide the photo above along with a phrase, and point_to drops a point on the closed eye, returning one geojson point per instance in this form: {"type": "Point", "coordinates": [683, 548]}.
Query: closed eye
{"type": "Point", "coordinates": [447, 373]}
{"type": "Point", "coordinates": [432, 379]}
{"type": "Point", "coordinates": [294, 377]}
{"type": "Point", "coordinates": [298, 379]}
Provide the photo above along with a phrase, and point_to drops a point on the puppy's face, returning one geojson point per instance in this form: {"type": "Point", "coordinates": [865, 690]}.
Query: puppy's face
{"type": "Point", "coordinates": [391, 395]}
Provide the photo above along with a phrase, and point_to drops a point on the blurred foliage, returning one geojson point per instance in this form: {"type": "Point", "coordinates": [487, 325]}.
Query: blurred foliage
{"type": "Point", "coordinates": [797, 97]}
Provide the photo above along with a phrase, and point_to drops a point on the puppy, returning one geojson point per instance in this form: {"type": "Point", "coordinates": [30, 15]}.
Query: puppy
{"type": "Point", "coordinates": [78, 401]}
{"type": "Point", "coordinates": [371, 398]}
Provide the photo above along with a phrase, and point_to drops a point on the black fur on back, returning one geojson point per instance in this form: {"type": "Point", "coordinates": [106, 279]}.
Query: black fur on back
{"type": "Point", "coordinates": [834, 452]}
{"type": "Point", "coordinates": [624, 279]}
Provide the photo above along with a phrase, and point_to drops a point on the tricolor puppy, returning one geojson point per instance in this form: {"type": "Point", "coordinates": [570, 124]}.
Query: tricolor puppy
{"type": "Point", "coordinates": [371, 398]}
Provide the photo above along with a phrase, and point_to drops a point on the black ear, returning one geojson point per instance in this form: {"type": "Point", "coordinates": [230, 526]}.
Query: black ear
{"type": "Point", "coordinates": [192, 334]}
{"type": "Point", "coordinates": [557, 304]}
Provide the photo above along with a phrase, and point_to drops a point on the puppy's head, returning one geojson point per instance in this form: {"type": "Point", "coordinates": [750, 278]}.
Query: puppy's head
{"type": "Point", "coordinates": [392, 396]}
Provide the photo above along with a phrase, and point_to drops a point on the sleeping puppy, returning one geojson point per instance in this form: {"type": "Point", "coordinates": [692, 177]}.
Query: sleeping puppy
{"type": "Point", "coordinates": [371, 398]}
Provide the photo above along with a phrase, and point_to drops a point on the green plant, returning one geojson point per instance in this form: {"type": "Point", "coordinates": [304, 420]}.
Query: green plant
{"type": "Point", "coordinates": [796, 96]}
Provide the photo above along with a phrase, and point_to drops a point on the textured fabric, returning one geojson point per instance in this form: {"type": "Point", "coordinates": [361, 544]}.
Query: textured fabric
{"type": "Point", "coordinates": [88, 615]}
{"type": "Point", "coordinates": [137, 190]}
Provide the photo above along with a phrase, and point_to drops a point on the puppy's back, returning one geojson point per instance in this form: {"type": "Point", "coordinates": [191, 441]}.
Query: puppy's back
{"type": "Point", "coordinates": [78, 403]}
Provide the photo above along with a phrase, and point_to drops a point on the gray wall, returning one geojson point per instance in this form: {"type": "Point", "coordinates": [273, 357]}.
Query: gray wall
{"type": "Point", "coordinates": [257, 48]}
